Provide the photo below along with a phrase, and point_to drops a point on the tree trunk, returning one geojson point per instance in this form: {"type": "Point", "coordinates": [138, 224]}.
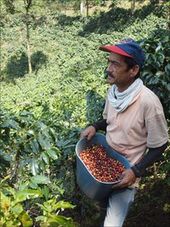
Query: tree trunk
{"type": "Point", "coordinates": [82, 8]}
{"type": "Point", "coordinates": [87, 8]}
{"type": "Point", "coordinates": [27, 7]}
{"type": "Point", "coordinates": [133, 6]}
{"type": "Point", "coordinates": [28, 49]}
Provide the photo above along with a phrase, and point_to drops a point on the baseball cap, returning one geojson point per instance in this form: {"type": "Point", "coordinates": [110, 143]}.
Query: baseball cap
{"type": "Point", "coordinates": [128, 48]}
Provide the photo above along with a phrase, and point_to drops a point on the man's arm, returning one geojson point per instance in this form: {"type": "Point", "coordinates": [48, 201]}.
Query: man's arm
{"type": "Point", "coordinates": [100, 125]}
{"type": "Point", "coordinates": [153, 155]}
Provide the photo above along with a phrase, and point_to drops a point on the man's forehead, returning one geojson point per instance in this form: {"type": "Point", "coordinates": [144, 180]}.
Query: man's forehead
{"type": "Point", "coordinates": [117, 57]}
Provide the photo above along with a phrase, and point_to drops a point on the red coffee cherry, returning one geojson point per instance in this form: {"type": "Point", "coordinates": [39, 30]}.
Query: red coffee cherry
{"type": "Point", "coordinates": [101, 166]}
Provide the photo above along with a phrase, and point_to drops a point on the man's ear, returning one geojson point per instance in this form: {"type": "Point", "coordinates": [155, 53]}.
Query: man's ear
{"type": "Point", "coordinates": [134, 71]}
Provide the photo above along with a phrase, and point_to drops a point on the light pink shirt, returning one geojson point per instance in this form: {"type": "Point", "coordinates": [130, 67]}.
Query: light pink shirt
{"type": "Point", "coordinates": [142, 125]}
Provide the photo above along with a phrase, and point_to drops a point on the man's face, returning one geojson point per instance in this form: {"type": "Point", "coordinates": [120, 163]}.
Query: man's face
{"type": "Point", "coordinates": [118, 72]}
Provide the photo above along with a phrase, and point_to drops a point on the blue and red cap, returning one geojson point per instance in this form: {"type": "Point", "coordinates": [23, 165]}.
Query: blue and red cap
{"type": "Point", "coordinates": [128, 48]}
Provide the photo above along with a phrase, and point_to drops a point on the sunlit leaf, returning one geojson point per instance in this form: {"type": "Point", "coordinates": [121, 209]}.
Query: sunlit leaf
{"type": "Point", "coordinates": [40, 179]}
{"type": "Point", "coordinates": [5, 202]}
{"type": "Point", "coordinates": [34, 167]}
{"type": "Point", "coordinates": [27, 194]}
{"type": "Point", "coordinates": [25, 220]}
{"type": "Point", "coordinates": [64, 205]}
{"type": "Point", "coordinates": [63, 221]}
{"type": "Point", "coordinates": [17, 209]}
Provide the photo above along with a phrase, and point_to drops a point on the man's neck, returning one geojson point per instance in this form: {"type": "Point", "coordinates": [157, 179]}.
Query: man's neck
{"type": "Point", "coordinates": [123, 88]}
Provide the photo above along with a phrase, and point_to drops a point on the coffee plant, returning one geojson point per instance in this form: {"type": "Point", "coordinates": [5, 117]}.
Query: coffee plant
{"type": "Point", "coordinates": [43, 113]}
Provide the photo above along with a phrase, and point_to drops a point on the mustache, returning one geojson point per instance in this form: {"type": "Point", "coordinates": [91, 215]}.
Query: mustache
{"type": "Point", "coordinates": [107, 73]}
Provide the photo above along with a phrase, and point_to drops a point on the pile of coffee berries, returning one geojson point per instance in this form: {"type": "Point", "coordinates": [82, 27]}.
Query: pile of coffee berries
{"type": "Point", "coordinates": [101, 166]}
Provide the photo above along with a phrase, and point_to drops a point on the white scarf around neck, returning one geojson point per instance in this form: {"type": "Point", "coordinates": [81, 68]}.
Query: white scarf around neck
{"type": "Point", "coordinates": [121, 100]}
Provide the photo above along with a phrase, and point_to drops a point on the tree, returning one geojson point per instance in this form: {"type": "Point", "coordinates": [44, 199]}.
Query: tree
{"type": "Point", "coordinates": [133, 6]}
{"type": "Point", "coordinates": [26, 18]}
{"type": "Point", "coordinates": [87, 7]}
{"type": "Point", "coordinates": [27, 5]}
{"type": "Point", "coordinates": [82, 7]}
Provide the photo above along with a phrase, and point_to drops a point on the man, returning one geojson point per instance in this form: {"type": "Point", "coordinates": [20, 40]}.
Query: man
{"type": "Point", "coordinates": [134, 122]}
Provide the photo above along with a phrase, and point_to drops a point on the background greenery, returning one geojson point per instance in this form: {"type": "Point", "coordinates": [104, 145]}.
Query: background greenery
{"type": "Point", "coordinates": [43, 112]}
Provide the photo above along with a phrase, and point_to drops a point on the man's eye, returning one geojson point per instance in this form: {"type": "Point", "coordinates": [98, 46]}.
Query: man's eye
{"type": "Point", "coordinates": [114, 63]}
{"type": "Point", "coordinates": [110, 62]}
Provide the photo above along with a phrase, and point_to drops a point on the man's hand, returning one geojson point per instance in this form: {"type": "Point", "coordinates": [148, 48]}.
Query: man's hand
{"type": "Point", "coordinates": [127, 179]}
{"type": "Point", "coordinates": [89, 132]}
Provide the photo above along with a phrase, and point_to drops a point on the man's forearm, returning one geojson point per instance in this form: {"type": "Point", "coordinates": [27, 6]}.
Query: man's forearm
{"type": "Point", "coordinates": [153, 155]}
{"type": "Point", "coordinates": [100, 125]}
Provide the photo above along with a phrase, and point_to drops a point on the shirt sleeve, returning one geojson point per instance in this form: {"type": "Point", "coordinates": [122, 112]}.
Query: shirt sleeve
{"type": "Point", "coordinates": [100, 125]}
{"type": "Point", "coordinates": [157, 131]}
{"type": "Point", "coordinates": [155, 122]}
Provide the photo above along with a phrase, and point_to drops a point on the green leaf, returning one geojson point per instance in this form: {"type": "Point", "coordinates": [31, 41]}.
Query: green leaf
{"type": "Point", "coordinates": [167, 69]}
{"type": "Point", "coordinates": [25, 220]}
{"type": "Point", "coordinates": [63, 205]}
{"type": "Point", "coordinates": [17, 209]}
{"type": "Point", "coordinates": [45, 157]}
{"type": "Point", "coordinates": [40, 179]}
{"type": "Point", "coordinates": [31, 132]}
{"type": "Point", "coordinates": [34, 167]}
{"type": "Point", "coordinates": [10, 124]}
{"type": "Point", "coordinates": [158, 48]}
{"type": "Point", "coordinates": [160, 58]}
{"type": "Point", "coordinates": [43, 141]}
{"type": "Point", "coordinates": [25, 113]}
{"type": "Point", "coordinates": [5, 202]}
{"type": "Point", "coordinates": [27, 194]}
{"type": "Point", "coordinates": [34, 146]}
{"type": "Point", "coordinates": [166, 208]}
{"type": "Point", "coordinates": [63, 143]}
{"type": "Point", "coordinates": [40, 218]}
{"type": "Point", "coordinates": [42, 125]}
{"type": "Point", "coordinates": [52, 154]}
{"type": "Point", "coordinates": [5, 157]}
{"type": "Point", "coordinates": [45, 192]}
{"type": "Point", "coordinates": [63, 221]}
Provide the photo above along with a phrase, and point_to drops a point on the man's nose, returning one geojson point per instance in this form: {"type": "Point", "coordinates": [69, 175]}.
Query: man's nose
{"type": "Point", "coordinates": [107, 72]}
{"type": "Point", "coordinates": [109, 67]}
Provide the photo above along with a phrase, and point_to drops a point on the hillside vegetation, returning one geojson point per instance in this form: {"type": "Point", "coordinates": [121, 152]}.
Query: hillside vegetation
{"type": "Point", "coordinates": [43, 112]}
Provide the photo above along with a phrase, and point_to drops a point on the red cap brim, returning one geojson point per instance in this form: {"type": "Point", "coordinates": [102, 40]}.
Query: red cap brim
{"type": "Point", "coordinates": [115, 49]}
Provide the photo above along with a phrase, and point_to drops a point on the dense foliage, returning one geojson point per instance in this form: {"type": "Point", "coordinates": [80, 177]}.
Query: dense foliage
{"type": "Point", "coordinates": [43, 113]}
